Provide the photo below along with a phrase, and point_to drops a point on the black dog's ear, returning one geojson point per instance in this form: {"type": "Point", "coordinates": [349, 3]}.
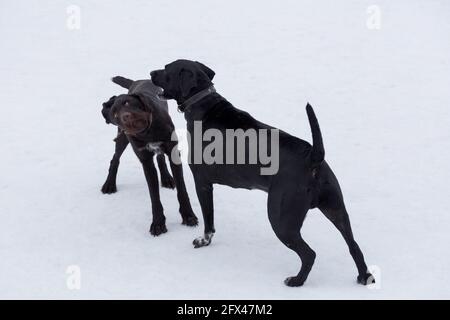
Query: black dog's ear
{"type": "Point", "coordinates": [206, 70]}
{"type": "Point", "coordinates": [187, 81]}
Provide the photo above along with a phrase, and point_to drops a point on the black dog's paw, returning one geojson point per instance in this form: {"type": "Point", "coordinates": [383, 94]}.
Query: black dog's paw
{"type": "Point", "coordinates": [190, 220]}
{"type": "Point", "coordinates": [366, 279]}
{"type": "Point", "coordinates": [294, 282]}
{"type": "Point", "coordinates": [200, 242]}
{"type": "Point", "coordinates": [167, 182]}
{"type": "Point", "coordinates": [203, 241]}
{"type": "Point", "coordinates": [109, 187]}
{"type": "Point", "coordinates": [157, 228]}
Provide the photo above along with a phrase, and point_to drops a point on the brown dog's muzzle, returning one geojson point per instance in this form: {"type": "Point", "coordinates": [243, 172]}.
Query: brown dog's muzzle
{"type": "Point", "coordinates": [133, 123]}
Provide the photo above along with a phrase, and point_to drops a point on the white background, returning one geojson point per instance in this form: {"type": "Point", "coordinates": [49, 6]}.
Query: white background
{"type": "Point", "coordinates": [381, 96]}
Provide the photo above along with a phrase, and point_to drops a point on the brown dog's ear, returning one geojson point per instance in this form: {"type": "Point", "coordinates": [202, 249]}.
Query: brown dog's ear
{"type": "Point", "coordinates": [110, 102]}
{"type": "Point", "coordinates": [187, 81]}
{"type": "Point", "coordinates": [106, 106]}
{"type": "Point", "coordinates": [206, 70]}
{"type": "Point", "coordinates": [144, 100]}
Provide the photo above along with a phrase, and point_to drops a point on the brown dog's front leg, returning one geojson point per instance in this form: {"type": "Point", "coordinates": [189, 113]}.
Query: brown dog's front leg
{"type": "Point", "coordinates": [158, 225]}
{"type": "Point", "coordinates": [121, 144]}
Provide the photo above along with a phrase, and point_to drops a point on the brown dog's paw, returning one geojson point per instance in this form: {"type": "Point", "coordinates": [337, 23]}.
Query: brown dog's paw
{"type": "Point", "coordinates": [157, 229]}
{"type": "Point", "coordinates": [109, 187]}
{"type": "Point", "coordinates": [190, 221]}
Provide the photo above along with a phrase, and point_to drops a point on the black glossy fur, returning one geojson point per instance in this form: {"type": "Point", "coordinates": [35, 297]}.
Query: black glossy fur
{"type": "Point", "coordinates": [304, 180]}
{"type": "Point", "coordinates": [142, 99]}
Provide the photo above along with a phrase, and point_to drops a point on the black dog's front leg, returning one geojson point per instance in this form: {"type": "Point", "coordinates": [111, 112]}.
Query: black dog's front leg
{"type": "Point", "coordinates": [205, 197]}
{"type": "Point", "coordinates": [121, 144]}
{"type": "Point", "coordinates": [186, 211]}
{"type": "Point", "coordinates": [158, 225]}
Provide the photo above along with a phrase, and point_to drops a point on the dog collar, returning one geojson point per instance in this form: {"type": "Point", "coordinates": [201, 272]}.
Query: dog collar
{"type": "Point", "coordinates": [195, 98]}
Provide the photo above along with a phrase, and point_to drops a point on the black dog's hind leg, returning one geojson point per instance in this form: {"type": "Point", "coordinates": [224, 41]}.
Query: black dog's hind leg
{"type": "Point", "coordinates": [331, 203]}
{"type": "Point", "coordinates": [341, 221]}
{"type": "Point", "coordinates": [166, 179]}
{"type": "Point", "coordinates": [187, 214]}
{"type": "Point", "coordinates": [287, 207]}
{"type": "Point", "coordinates": [286, 214]}
{"type": "Point", "coordinates": [121, 144]}
{"type": "Point", "coordinates": [205, 197]}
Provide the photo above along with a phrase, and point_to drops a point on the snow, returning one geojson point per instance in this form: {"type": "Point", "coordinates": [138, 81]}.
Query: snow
{"type": "Point", "coordinates": [381, 96]}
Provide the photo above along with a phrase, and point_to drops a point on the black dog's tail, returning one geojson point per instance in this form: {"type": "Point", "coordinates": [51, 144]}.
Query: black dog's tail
{"type": "Point", "coordinates": [317, 151]}
{"type": "Point", "coordinates": [123, 82]}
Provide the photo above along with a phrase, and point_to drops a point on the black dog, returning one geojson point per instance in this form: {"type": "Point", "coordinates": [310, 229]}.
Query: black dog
{"type": "Point", "coordinates": [143, 120]}
{"type": "Point", "coordinates": [304, 180]}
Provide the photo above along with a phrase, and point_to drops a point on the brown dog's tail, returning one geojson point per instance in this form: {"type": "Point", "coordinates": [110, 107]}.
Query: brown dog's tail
{"type": "Point", "coordinates": [317, 151]}
{"type": "Point", "coordinates": [123, 82]}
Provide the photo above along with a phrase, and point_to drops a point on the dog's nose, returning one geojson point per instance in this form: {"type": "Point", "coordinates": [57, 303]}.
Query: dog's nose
{"type": "Point", "coordinates": [125, 117]}
{"type": "Point", "coordinates": [153, 74]}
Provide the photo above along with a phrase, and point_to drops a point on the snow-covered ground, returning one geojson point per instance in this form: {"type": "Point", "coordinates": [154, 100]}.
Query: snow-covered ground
{"type": "Point", "coordinates": [382, 97]}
